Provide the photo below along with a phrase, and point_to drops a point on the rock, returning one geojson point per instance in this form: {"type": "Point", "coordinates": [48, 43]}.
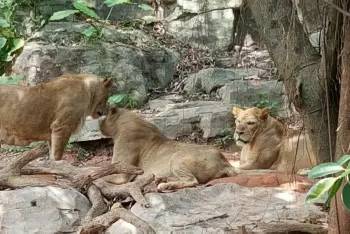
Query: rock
{"type": "Point", "coordinates": [210, 118]}
{"type": "Point", "coordinates": [211, 79]}
{"type": "Point", "coordinates": [247, 93]}
{"type": "Point", "coordinates": [89, 132]}
{"type": "Point", "coordinates": [182, 119]}
{"type": "Point", "coordinates": [41, 210]}
{"type": "Point", "coordinates": [60, 47]}
{"type": "Point", "coordinates": [226, 208]}
{"type": "Point", "coordinates": [119, 12]}
{"type": "Point", "coordinates": [203, 23]}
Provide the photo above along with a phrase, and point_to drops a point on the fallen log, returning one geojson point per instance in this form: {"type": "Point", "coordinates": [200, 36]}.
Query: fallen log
{"type": "Point", "coordinates": [18, 174]}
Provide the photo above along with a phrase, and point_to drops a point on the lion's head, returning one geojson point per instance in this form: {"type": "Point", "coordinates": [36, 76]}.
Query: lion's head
{"type": "Point", "coordinates": [248, 123]}
{"type": "Point", "coordinates": [99, 101]}
{"type": "Point", "coordinates": [107, 124]}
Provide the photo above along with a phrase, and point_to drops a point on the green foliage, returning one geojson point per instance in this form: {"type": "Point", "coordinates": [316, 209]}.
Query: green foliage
{"type": "Point", "coordinates": [10, 80]}
{"type": "Point", "coordinates": [59, 15]}
{"type": "Point", "coordinates": [83, 8]}
{"type": "Point", "coordinates": [325, 189]}
{"type": "Point", "coordinates": [92, 32]}
{"type": "Point", "coordinates": [325, 169]}
{"type": "Point", "coordinates": [111, 3]}
{"type": "Point", "coordinates": [80, 7]}
{"type": "Point", "coordinates": [265, 102]}
{"type": "Point", "coordinates": [145, 7]}
{"type": "Point", "coordinates": [10, 41]}
{"type": "Point", "coordinates": [225, 138]}
{"type": "Point", "coordinates": [346, 196]}
{"type": "Point", "coordinates": [123, 100]}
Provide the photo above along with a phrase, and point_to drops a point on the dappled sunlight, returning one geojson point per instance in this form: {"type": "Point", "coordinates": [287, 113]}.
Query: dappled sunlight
{"type": "Point", "coordinates": [287, 196]}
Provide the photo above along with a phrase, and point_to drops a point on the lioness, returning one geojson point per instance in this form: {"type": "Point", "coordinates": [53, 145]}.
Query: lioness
{"type": "Point", "coordinates": [50, 111]}
{"type": "Point", "coordinates": [266, 143]}
{"type": "Point", "coordinates": [141, 144]}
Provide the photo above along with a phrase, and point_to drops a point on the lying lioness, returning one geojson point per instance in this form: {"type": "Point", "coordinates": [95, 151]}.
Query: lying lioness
{"type": "Point", "coordinates": [51, 111]}
{"type": "Point", "coordinates": [266, 143]}
{"type": "Point", "coordinates": [141, 144]}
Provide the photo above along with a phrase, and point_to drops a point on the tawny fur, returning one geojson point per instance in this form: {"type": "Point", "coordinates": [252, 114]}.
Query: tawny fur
{"type": "Point", "coordinates": [267, 143]}
{"type": "Point", "coordinates": [140, 143]}
{"type": "Point", "coordinates": [50, 111]}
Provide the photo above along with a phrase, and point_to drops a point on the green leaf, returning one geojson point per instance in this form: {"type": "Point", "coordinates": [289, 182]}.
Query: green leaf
{"type": "Point", "coordinates": [345, 173]}
{"type": "Point", "coordinates": [334, 189]}
{"type": "Point", "coordinates": [83, 8]}
{"type": "Point", "coordinates": [89, 32]}
{"type": "Point", "coordinates": [319, 190]}
{"type": "Point", "coordinates": [145, 7]}
{"type": "Point", "coordinates": [10, 80]}
{"type": "Point", "coordinates": [4, 23]}
{"type": "Point", "coordinates": [58, 15]}
{"type": "Point", "coordinates": [117, 99]}
{"type": "Point", "coordinates": [3, 41]}
{"type": "Point", "coordinates": [325, 169]}
{"type": "Point", "coordinates": [111, 3]}
{"type": "Point", "coordinates": [345, 196]}
{"type": "Point", "coordinates": [17, 44]}
{"type": "Point", "coordinates": [344, 160]}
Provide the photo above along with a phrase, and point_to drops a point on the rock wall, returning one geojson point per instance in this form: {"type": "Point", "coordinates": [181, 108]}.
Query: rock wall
{"type": "Point", "coordinates": [133, 59]}
{"type": "Point", "coordinates": [203, 23]}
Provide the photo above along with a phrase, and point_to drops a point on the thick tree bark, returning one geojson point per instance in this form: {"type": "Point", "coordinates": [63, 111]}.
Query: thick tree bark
{"type": "Point", "coordinates": [339, 216]}
{"type": "Point", "coordinates": [298, 64]}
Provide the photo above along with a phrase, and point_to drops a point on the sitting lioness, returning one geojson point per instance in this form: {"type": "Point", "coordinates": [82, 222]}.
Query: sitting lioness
{"type": "Point", "coordinates": [266, 143]}
{"type": "Point", "coordinates": [141, 144]}
{"type": "Point", "coordinates": [50, 111]}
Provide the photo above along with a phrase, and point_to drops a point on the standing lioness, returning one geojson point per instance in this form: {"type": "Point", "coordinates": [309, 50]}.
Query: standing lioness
{"type": "Point", "coordinates": [51, 111]}
{"type": "Point", "coordinates": [141, 144]}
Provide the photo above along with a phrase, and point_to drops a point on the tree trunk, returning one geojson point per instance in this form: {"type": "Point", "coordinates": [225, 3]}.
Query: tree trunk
{"type": "Point", "coordinates": [339, 216]}
{"type": "Point", "coordinates": [298, 64]}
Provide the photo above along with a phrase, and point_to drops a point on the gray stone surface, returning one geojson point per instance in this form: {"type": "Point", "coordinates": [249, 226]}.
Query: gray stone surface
{"type": "Point", "coordinates": [182, 119]}
{"type": "Point", "coordinates": [41, 210]}
{"type": "Point", "coordinates": [175, 119]}
{"type": "Point", "coordinates": [225, 208]}
{"type": "Point", "coordinates": [211, 79]}
{"type": "Point", "coordinates": [60, 47]}
{"type": "Point", "coordinates": [203, 22]}
{"type": "Point", "coordinates": [252, 92]}
{"type": "Point", "coordinates": [90, 131]}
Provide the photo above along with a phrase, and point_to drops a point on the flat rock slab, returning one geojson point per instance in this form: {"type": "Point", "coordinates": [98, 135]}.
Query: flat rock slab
{"type": "Point", "coordinates": [228, 208]}
{"type": "Point", "coordinates": [41, 210]}
{"type": "Point", "coordinates": [175, 119]}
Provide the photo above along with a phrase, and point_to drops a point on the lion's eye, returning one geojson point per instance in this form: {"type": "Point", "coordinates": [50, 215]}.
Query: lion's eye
{"type": "Point", "coordinates": [251, 123]}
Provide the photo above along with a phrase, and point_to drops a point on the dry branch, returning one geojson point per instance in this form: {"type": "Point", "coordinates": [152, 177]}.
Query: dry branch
{"type": "Point", "coordinates": [133, 189]}
{"type": "Point", "coordinates": [102, 222]}
{"type": "Point", "coordinates": [98, 207]}
{"type": "Point", "coordinates": [58, 173]}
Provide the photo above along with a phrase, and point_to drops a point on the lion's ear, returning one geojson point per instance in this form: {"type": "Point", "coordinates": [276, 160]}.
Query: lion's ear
{"type": "Point", "coordinates": [264, 114]}
{"type": "Point", "coordinates": [107, 82]}
{"type": "Point", "coordinates": [236, 111]}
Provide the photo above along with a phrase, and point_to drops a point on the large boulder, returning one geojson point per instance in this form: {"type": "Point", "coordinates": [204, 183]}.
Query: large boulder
{"type": "Point", "coordinates": [41, 210]}
{"type": "Point", "coordinates": [211, 79]}
{"type": "Point", "coordinates": [203, 23]}
{"type": "Point", "coordinates": [228, 208]}
{"type": "Point", "coordinates": [208, 118]}
{"type": "Point", "coordinates": [61, 47]}
{"type": "Point", "coordinates": [240, 86]}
